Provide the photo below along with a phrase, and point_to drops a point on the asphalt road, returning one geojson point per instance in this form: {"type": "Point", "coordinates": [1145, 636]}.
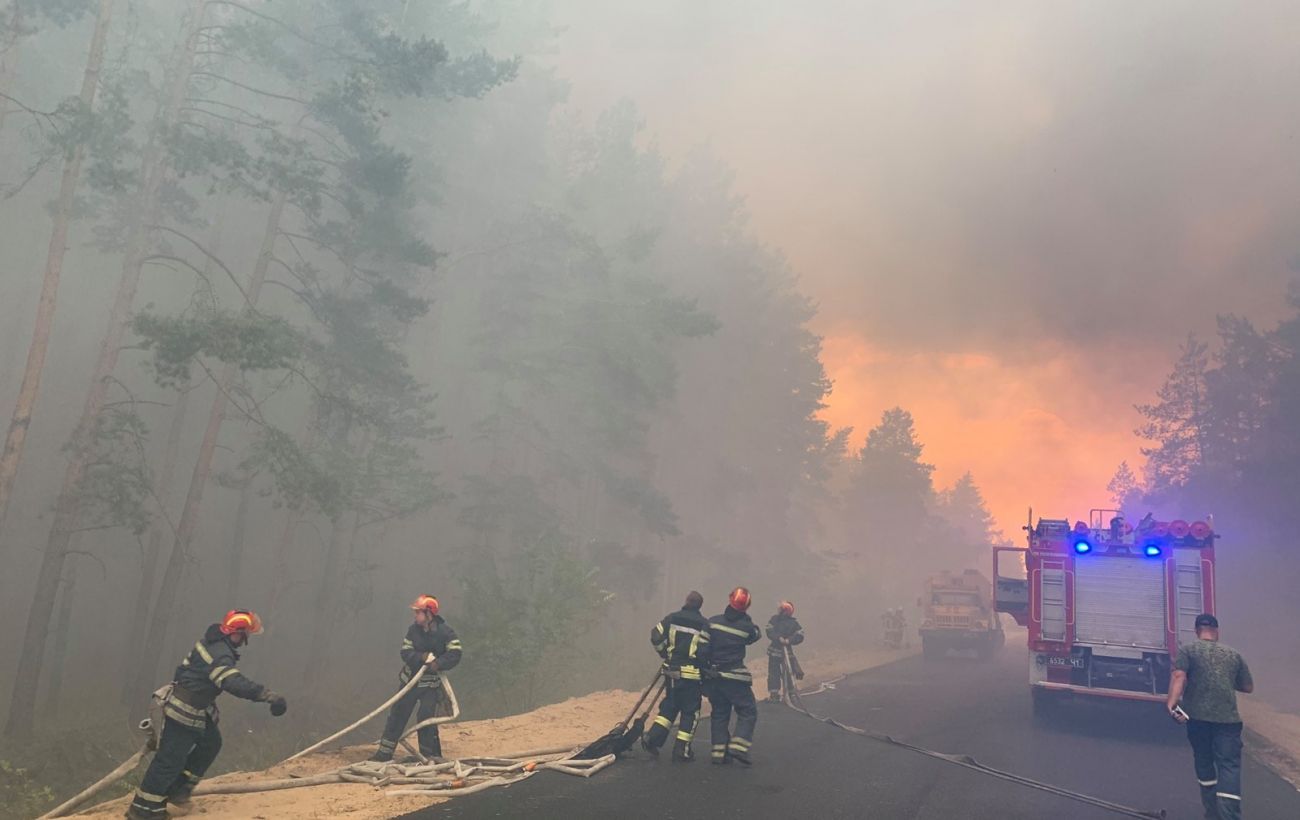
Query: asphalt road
{"type": "Point", "coordinates": [1126, 753]}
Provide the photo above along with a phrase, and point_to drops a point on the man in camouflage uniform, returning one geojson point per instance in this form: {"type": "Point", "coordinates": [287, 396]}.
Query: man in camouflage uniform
{"type": "Point", "coordinates": [1207, 677]}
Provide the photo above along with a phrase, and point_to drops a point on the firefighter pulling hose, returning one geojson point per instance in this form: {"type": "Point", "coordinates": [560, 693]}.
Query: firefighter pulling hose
{"type": "Point", "coordinates": [794, 700]}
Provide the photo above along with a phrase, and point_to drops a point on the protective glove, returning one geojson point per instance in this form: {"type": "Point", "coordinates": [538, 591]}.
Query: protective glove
{"type": "Point", "coordinates": [278, 704]}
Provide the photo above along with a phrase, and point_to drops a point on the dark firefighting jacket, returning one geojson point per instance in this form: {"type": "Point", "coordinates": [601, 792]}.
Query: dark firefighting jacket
{"type": "Point", "coordinates": [678, 639]}
{"type": "Point", "coordinates": [724, 652]}
{"type": "Point", "coordinates": [440, 640]}
{"type": "Point", "coordinates": [782, 626]}
{"type": "Point", "coordinates": [207, 671]}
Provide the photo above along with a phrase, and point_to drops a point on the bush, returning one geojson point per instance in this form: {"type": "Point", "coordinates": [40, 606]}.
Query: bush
{"type": "Point", "coordinates": [21, 796]}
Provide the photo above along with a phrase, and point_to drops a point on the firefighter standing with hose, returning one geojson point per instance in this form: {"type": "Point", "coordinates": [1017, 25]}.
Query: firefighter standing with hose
{"type": "Point", "coordinates": [430, 647]}
{"type": "Point", "coordinates": [678, 639]}
{"type": "Point", "coordinates": [783, 631]}
{"type": "Point", "coordinates": [731, 686]}
{"type": "Point", "coordinates": [190, 739]}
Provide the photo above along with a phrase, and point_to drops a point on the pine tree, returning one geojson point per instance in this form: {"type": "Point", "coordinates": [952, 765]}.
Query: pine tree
{"type": "Point", "coordinates": [1178, 423]}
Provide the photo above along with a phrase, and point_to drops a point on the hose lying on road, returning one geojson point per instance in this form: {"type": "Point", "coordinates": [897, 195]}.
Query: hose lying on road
{"type": "Point", "coordinates": [793, 699]}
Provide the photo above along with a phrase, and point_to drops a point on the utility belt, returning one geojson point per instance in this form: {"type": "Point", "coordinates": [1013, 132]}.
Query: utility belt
{"type": "Point", "coordinates": [683, 671]}
{"type": "Point", "coordinates": [186, 707]}
{"type": "Point", "coordinates": [429, 679]}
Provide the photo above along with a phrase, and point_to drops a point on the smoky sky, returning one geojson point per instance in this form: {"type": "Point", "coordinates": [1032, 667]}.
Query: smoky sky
{"type": "Point", "coordinates": [982, 175]}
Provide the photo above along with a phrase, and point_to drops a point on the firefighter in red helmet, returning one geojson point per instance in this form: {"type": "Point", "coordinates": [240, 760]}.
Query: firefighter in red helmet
{"type": "Point", "coordinates": [782, 630]}
{"type": "Point", "coordinates": [430, 648]}
{"type": "Point", "coordinates": [190, 739]}
{"type": "Point", "coordinates": [731, 687]}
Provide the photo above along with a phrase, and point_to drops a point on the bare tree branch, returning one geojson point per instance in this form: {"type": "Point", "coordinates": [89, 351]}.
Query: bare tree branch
{"type": "Point", "coordinates": [249, 88]}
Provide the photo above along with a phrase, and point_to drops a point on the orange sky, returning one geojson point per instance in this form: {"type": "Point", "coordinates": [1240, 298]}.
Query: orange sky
{"type": "Point", "coordinates": [1030, 435]}
{"type": "Point", "coordinates": [1009, 215]}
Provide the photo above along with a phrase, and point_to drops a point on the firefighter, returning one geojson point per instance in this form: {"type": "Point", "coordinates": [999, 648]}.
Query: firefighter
{"type": "Point", "coordinates": [678, 639]}
{"type": "Point", "coordinates": [782, 630]}
{"type": "Point", "coordinates": [430, 647]}
{"type": "Point", "coordinates": [190, 739]}
{"type": "Point", "coordinates": [730, 684]}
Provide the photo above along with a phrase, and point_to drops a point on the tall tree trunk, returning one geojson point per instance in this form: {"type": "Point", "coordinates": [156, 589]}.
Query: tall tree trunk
{"type": "Point", "coordinates": [59, 646]}
{"type": "Point", "coordinates": [149, 562]}
{"type": "Point", "coordinates": [326, 606]}
{"type": "Point", "coordinates": [16, 436]}
{"type": "Point", "coordinates": [237, 543]}
{"type": "Point", "coordinates": [163, 611]}
{"type": "Point", "coordinates": [9, 60]}
{"type": "Point", "coordinates": [22, 703]}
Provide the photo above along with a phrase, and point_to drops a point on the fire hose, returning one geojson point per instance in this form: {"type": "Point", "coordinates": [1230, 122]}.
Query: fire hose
{"type": "Point", "coordinates": [793, 699]}
{"type": "Point", "coordinates": [446, 778]}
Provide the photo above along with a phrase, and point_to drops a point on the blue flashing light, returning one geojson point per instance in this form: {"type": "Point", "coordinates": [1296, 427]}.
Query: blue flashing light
{"type": "Point", "coordinates": [1082, 547]}
{"type": "Point", "coordinates": [1152, 550]}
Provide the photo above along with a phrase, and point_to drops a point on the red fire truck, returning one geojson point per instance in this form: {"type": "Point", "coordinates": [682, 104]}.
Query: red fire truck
{"type": "Point", "coordinates": [1106, 604]}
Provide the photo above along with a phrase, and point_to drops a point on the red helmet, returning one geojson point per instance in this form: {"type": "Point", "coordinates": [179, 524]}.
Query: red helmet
{"type": "Point", "coordinates": [241, 620]}
{"type": "Point", "coordinates": [739, 599]}
{"type": "Point", "coordinates": [426, 602]}
{"type": "Point", "coordinates": [786, 608]}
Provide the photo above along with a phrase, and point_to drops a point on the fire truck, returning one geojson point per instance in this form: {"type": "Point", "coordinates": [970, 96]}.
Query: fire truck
{"type": "Point", "coordinates": [1106, 604]}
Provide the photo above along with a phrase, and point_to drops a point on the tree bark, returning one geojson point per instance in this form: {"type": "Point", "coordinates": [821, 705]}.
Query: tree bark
{"type": "Point", "coordinates": [326, 607]}
{"type": "Point", "coordinates": [16, 436]}
{"type": "Point", "coordinates": [23, 701]}
{"type": "Point", "coordinates": [164, 608]}
{"type": "Point", "coordinates": [237, 543]}
{"type": "Point", "coordinates": [149, 561]}
{"type": "Point", "coordinates": [59, 647]}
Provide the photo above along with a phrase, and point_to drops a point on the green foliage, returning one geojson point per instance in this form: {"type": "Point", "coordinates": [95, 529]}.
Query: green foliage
{"type": "Point", "coordinates": [299, 477]}
{"type": "Point", "coordinates": [116, 487]}
{"type": "Point", "coordinates": [527, 619]}
{"type": "Point", "coordinates": [21, 797]}
{"type": "Point", "coordinates": [249, 339]}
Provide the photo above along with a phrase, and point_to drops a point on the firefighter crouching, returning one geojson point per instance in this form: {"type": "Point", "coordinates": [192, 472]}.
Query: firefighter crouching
{"type": "Point", "coordinates": [190, 739]}
{"type": "Point", "coordinates": [730, 684]}
{"type": "Point", "coordinates": [782, 630]}
{"type": "Point", "coordinates": [678, 639]}
{"type": "Point", "coordinates": [430, 647]}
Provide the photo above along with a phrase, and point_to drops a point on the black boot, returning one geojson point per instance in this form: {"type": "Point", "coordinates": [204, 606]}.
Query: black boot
{"type": "Point", "coordinates": [773, 697]}
{"type": "Point", "coordinates": [740, 756]}
{"type": "Point", "coordinates": [682, 752]}
{"type": "Point", "coordinates": [650, 748]}
{"type": "Point", "coordinates": [653, 740]}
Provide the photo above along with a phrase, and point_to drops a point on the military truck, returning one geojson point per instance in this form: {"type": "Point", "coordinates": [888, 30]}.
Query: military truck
{"type": "Point", "coordinates": [957, 614]}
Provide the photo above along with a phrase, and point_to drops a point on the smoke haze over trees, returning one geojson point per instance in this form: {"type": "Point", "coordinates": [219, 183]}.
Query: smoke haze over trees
{"type": "Point", "coordinates": [315, 305]}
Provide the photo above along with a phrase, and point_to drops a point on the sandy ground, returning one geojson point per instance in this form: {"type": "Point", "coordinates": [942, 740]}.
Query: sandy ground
{"type": "Point", "coordinates": [1274, 737]}
{"type": "Point", "coordinates": [574, 722]}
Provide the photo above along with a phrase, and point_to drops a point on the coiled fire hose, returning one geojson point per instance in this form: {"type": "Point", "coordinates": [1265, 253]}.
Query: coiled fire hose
{"type": "Point", "coordinates": [794, 701]}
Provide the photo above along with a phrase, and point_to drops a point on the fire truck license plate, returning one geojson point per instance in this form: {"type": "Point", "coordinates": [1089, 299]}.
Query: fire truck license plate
{"type": "Point", "coordinates": [1077, 663]}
